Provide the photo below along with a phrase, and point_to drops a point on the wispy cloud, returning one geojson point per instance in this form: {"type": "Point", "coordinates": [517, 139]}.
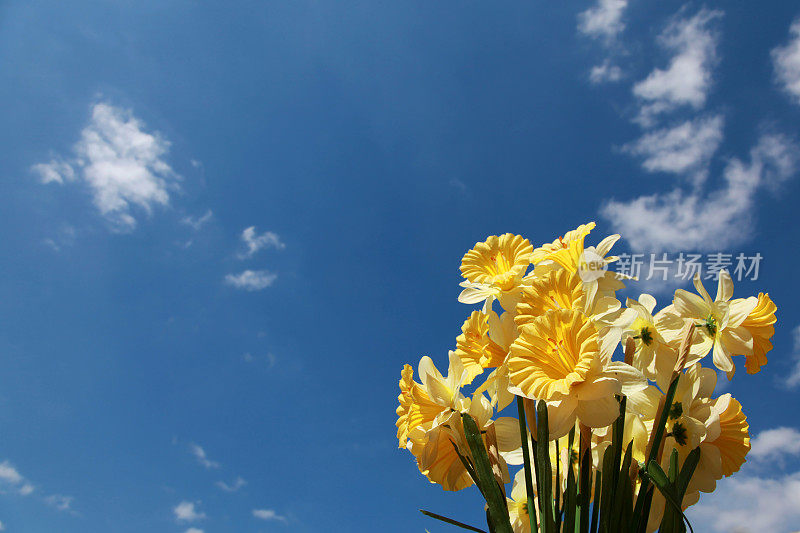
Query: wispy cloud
{"type": "Point", "coordinates": [59, 501]}
{"type": "Point", "coordinates": [11, 479]}
{"type": "Point", "coordinates": [679, 220]}
{"type": "Point", "coordinates": [237, 484]}
{"type": "Point", "coordinates": [684, 149]}
{"type": "Point", "coordinates": [605, 72]}
{"type": "Point", "coordinates": [603, 20]}
{"type": "Point", "coordinates": [687, 79]}
{"type": "Point", "coordinates": [775, 443]}
{"type": "Point", "coordinates": [193, 530]}
{"type": "Point", "coordinates": [268, 514]}
{"type": "Point", "coordinates": [793, 379]}
{"type": "Point", "coordinates": [122, 164]}
{"type": "Point", "coordinates": [197, 223]}
{"type": "Point", "coordinates": [187, 511]}
{"type": "Point", "coordinates": [747, 503]}
{"type": "Point", "coordinates": [254, 242]}
{"type": "Point", "coordinates": [200, 454]}
{"type": "Point", "coordinates": [604, 23]}
{"type": "Point", "coordinates": [786, 60]}
{"type": "Point", "coordinates": [251, 280]}
{"type": "Point", "coordinates": [63, 238]}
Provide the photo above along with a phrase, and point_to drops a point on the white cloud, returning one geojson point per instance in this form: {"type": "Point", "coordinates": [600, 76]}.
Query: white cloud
{"type": "Point", "coordinates": [63, 238]}
{"type": "Point", "coordinates": [237, 484]}
{"type": "Point", "coordinates": [605, 72]}
{"type": "Point", "coordinates": [693, 221]}
{"type": "Point", "coordinates": [786, 60]}
{"type": "Point", "coordinates": [687, 79]}
{"type": "Point", "coordinates": [251, 280]}
{"type": "Point", "coordinates": [121, 163]}
{"type": "Point", "coordinates": [187, 512]}
{"type": "Point", "coordinates": [2, 526]}
{"type": "Point", "coordinates": [193, 530]}
{"type": "Point", "coordinates": [10, 478]}
{"type": "Point", "coordinates": [197, 222]}
{"type": "Point", "coordinates": [682, 149]}
{"type": "Point", "coordinates": [604, 20]}
{"type": "Point", "coordinates": [9, 474]}
{"type": "Point", "coordinates": [60, 502]}
{"type": "Point", "coordinates": [746, 503]}
{"type": "Point", "coordinates": [775, 443]}
{"type": "Point", "coordinates": [793, 379]}
{"type": "Point", "coordinates": [200, 454]}
{"type": "Point", "coordinates": [268, 514]}
{"type": "Point", "coordinates": [255, 242]}
{"type": "Point", "coordinates": [56, 171]}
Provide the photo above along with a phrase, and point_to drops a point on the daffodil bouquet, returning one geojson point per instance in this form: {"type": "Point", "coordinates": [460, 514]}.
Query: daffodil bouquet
{"type": "Point", "coordinates": [600, 444]}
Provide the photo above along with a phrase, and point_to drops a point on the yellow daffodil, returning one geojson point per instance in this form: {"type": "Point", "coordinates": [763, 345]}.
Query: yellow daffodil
{"type": "Point", "coordinates": [475, 347]}
{"type": "Point", "coordinates": [733, 440]}
{"type": "Point", "coordinates": [416, 409]}
{"type": "Point", "coordinates": [719, 321]}
{"type": "Point", "coordinates": [570, 254]}
{"type": "Point", "coordinates": [562, 247]}
{"type": "Point", "coordinates": [556, 358]}
{"type": "Point", "coordinates": [557, 289]}
{"type": "Point", "coordinates": [494, 269]}
{"type": "Point", "coordinates": [760, 323]}
{"type": "Point", "coordinates": [435, 449]}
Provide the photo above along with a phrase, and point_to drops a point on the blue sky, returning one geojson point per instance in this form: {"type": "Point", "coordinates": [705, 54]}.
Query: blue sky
{"type": "Point", "coordinates": [226, 227]}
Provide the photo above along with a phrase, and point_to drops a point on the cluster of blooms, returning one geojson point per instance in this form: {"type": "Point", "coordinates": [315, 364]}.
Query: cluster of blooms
{"type": "Point", "coordinates": [545, 332]}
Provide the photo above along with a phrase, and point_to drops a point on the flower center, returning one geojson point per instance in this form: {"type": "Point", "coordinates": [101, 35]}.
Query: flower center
{"type": "Point", "coordinates": [680, 434]}
{"type": "Point", "coordinates": [646, 335]}
{"type": "Point", "coordinates": [676, 411]}
{"type": "Point", "coordinates": [711, 325]}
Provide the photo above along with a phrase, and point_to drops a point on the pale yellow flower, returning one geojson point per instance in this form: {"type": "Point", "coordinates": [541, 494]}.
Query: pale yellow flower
{"type": "Point", "coordinates": [556, 358]}
{"type": "Point", "coordinates": [518, 503]}
{"type": "Point", "coordinates": [654, 355]}
{"type": "Point", "coordinates": [760, 323]}
{"type": "Point", "coordinates": [719, 321]}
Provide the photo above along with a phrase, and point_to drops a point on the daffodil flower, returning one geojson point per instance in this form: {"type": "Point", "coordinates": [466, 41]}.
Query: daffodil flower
{"type": "Point", "coordinates": [495, 269]}
{"type": "Point", "coordinates": [718, 321]}
{"type": "Point", "coordinates": [556, 358]}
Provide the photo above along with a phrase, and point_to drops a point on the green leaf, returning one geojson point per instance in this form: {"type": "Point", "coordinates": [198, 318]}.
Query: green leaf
{"type": "Point", "coordinates": [687, 471]}
{"type": "Point", "coordinates": [645, 496]}
{"type": "Point", "coordinates": [673, 466]}
{"type": "Point", "coordinates": [544, 476]}
{"type": "Point", "coordinates": [570, 502]}
{"type": "Point", "coordinates": [526, 458]}
{"type": "Point", "coordinates": [596, 503]}
{"type": "Point", "coordinates": [585, 489]}
{"type": "Point", "coordinates": [606, 501]}
{"type": "Point", "coordinates": [621, 495]}
{"type": "Point", "coordinates": [495, 500]}
{"type": "Point", "coordinates": [657, 475]}
{"type": "Point", "coordinates": [451, 521]}
{"type": "Point", "coordinates": [666, 488]}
